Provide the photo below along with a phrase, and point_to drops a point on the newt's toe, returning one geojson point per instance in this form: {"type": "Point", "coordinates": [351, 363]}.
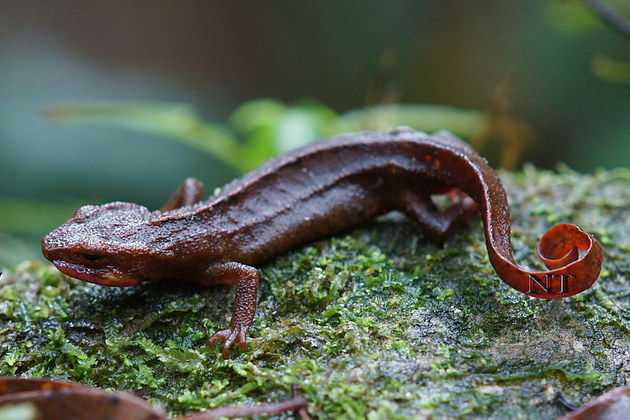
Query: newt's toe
{"type": "Point", "coordinates": [232, 335]}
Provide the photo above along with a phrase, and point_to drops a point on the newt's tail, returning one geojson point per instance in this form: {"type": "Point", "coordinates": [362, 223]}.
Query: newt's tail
{"type": "Point", "coordinates": [570, 271]}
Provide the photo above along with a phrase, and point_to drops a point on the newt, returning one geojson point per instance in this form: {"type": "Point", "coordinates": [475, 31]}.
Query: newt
{"type": "Point", "coordinates": [321, 189]}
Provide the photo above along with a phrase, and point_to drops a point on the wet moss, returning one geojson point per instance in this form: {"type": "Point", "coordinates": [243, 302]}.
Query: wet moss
{"type": "Point", "coordinates": [376, 323]}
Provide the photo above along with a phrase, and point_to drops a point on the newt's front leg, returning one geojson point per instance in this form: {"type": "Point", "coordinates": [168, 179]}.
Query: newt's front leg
{"type": "Point", "coordinates": [187, 194]}
{"type": "Point", "coordinates": [245, 279]}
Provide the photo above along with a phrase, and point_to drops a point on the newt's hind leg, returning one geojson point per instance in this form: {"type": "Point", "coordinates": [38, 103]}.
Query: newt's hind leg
{"type": "Point", "coordinates": [187, 194]}
{"type": "Point", "coordinates": [438, 224]}
{"type": "Point", "coordinates": [245, 278]}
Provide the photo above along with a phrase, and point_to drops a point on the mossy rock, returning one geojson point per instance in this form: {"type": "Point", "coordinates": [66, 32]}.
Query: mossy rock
{"type": "Point", "coordinates": [376, 323]}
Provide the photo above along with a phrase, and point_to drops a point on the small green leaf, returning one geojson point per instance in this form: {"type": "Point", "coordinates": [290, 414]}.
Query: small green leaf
{"type": "Point", "coordinates": [461, 122]}
{"type": "Point", "coordinates": [169, 120]}
{"type": "Point", "coordinates": [613, 71]}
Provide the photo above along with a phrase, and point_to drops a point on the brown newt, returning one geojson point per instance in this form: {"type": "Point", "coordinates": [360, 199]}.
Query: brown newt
{"type": "Point", "coordinates": [321, 189]}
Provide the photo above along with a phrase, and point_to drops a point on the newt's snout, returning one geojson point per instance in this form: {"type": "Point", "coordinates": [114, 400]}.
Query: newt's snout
{"type": "Point", "coordinates": [90, 266]}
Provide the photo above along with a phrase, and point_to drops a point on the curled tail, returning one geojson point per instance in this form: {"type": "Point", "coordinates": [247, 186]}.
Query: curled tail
{"type": "Point", "coordinates": [570, 271]}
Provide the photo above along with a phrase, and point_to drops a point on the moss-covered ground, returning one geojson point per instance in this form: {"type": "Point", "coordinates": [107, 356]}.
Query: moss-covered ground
{"type": "Point", "coordinates": [376, 323]}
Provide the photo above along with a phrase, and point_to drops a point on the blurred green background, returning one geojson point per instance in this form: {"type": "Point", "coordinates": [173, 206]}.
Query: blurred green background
{"type": "Point", "coordinates": [568, 76]}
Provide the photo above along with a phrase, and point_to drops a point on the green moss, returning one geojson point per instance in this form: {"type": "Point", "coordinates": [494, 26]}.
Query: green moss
{"type": "Point", "coordinates": [376, 323]}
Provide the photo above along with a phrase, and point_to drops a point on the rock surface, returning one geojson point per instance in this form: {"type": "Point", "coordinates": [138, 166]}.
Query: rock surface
{"type": "Point", "coordinates": [378, 322]}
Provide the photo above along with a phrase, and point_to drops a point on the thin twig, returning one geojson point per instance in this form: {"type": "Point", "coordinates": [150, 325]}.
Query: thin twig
{"type": "Point", "coordinates": [611, 18]}
{"type": "Point", "coordinates": [296, 403]}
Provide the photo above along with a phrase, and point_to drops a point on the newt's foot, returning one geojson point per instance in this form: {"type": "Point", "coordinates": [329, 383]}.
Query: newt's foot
{"type": "Point", "coordinates": [232, 335]}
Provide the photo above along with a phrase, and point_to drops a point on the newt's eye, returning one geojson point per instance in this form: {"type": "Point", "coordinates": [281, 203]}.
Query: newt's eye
{"type": "Point", "coordinates": [92, 257]}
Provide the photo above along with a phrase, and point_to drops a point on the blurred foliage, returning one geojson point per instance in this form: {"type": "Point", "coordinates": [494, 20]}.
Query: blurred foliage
{"type": "Point", "coordinates": [174, 121]}
{"type": "Point", "coordinates": [32, 216]}
{"type": "Point", "coordinates": [611, 70]}
{"type": "Point", "coordinates": [263, 128]}
{"type": "Point", "coordinates": [15, 250]}
{"type": "Point", "coordinates": [576, 17]}
{"type": "Point", "coordinates": [30, 219]}
{"type": "Point", "coordinates": [255, 132]}
{"type": "Point", "coordinates": [571, 16]}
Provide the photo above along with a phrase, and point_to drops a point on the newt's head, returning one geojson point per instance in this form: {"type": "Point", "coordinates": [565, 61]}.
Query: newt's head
{"type": "Point", "coordinates": [107, 245]}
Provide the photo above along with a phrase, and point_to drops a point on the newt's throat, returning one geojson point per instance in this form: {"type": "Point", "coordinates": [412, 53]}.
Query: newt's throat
{"type": "Point", "coordinates": [93, 276]}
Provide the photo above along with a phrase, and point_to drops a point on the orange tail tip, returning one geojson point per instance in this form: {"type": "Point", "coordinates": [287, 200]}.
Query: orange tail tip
{"type": "Point", "coordinates": [569, 272]}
